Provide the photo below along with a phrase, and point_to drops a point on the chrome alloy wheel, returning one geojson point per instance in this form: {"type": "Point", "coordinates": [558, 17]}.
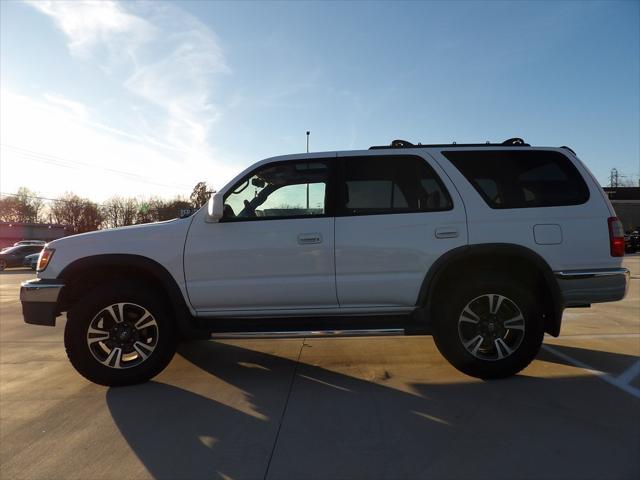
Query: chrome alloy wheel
{"type": "Point", "coordinates": [491, 327]}
{"type": "Point", "coordinates": [122, 335]}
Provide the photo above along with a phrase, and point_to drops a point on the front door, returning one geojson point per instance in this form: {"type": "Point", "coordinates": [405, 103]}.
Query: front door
{"type": "Point", "coordinates": [274, 247]}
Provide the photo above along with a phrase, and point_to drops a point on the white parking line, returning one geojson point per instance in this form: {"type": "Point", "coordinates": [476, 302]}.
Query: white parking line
{"type": "Point", "coordinates": [622, 381]}
{"type": "Point", "coordinates": [589, 336]}
{"type": "Point", "coordinates": [630, 373]}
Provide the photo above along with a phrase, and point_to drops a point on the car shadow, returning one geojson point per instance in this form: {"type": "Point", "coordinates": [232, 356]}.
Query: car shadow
{"type": "Point", "coordinates": [339, 426]}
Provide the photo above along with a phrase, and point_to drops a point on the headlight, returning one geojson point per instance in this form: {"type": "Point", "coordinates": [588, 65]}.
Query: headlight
{"type": "Point", "coordinates": [44, 258]}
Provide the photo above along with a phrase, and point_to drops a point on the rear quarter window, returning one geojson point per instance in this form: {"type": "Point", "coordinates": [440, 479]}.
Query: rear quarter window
{"type": "Point", "coordinates": [521, 179]}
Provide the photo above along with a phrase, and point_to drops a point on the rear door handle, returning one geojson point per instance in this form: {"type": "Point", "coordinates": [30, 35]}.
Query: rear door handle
{"type": "Point", "coordinates": [309, 238]}
{"type": "Point", "coordinates": [446, 232]}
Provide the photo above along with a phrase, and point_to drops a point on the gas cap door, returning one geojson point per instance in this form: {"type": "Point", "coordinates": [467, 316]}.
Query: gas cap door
{"type": "Point", "coordinates": [547, 234]}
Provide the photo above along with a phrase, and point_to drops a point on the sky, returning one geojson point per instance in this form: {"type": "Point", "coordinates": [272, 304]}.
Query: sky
{"type": "Point", "coordinates": [148, 98]}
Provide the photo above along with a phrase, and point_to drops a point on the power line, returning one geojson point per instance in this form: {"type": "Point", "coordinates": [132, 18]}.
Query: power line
{"type": "Point", "coordinates": [74, 164]}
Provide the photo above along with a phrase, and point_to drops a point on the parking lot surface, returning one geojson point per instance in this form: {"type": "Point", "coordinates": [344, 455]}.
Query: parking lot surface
{"type": "Point", "coordinates": [327, 408]}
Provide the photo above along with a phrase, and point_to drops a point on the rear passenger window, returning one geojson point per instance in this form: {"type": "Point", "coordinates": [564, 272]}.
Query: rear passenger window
{"type": "Point", "coordinates": [394, 184]}
{"type": "Point", "coordinates": [521, 179]}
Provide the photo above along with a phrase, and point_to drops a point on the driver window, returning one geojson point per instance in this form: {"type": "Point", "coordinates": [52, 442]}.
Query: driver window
{"type": "Point", "coordinates": [288, 189]}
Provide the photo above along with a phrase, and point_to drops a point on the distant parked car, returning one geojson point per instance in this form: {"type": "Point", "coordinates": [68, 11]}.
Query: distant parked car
{"type": "Point", "coordinates": [13, 256]}
{"type": "Point", "coordinates": [631, 242]}
{"type": "Point", "coordinates": [31, 261]}
{"type": "Point", "coordinates": [29, 242]}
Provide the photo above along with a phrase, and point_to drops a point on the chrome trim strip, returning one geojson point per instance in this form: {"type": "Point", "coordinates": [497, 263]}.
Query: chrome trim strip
{"type": "Point", "coordinates": [37, 291]}
{"type": "Point", "coordinates": [575, 274]}
{"type": "Point", "coordinates": [309, 333]}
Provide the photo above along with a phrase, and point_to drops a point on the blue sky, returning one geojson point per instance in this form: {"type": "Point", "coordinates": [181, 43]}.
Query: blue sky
{"type": "Point", "coordinates": [147, 99]}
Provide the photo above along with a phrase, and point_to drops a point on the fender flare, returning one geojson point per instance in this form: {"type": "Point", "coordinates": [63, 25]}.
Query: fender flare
{"type": "Point", "coordinates": [440, 266]}
{"type": "Point", "coordinates": [184, 319]}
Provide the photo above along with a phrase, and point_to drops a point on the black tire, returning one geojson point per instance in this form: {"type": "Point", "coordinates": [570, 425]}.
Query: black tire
{"type": "Point", "coordinates": [87, 310]}
{"type": "Point", "coordinates": [525, 340]}
{"type": "Point", "coordinates": [3, 264]}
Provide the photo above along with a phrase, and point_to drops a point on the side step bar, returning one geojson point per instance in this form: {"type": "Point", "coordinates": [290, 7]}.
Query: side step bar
{"type": "Point", "coordinates": [377, 332]}
{"type": "Point", "coordinates": [314, 327]}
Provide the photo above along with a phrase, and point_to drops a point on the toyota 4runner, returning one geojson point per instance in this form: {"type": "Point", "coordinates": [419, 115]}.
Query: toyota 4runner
{"type": "Point", "coordinates": [481, 245]}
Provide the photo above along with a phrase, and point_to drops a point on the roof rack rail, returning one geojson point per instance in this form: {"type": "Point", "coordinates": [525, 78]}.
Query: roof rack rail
{"type": "Point", "coordinates": [511, 142]}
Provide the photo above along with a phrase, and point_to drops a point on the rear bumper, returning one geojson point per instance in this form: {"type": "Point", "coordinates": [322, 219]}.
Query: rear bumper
{"type": "Point", "coordinates": [40, 301]}
{"type": "Point", "coordinates": [584, 287]}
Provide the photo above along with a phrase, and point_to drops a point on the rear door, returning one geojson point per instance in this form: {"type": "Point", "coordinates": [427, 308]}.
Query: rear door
{"type": "Point", "coordinates": [396, 214]}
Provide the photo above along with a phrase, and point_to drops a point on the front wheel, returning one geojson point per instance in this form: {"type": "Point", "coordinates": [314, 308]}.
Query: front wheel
{"type": "Point", "coordinates": [119, 334]}
{"type": "Point", "coordinates": [490, 328]}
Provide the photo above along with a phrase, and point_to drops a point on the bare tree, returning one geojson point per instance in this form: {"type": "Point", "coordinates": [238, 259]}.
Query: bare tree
{"type": "Point", "coordinates": [24, 206]}
{"type": "Point", "coordinates": [147, 212]}
{"type": "Point", "coordinates": [112, 212]}
{"type": "Point", "coordinates": [11, 209]}
{"type": "Point", "coordinates": [200, 194]}
{"type": "Point", "coordinates": [90, 219]}
{"type": "Point", "coordinates": [120, 212]}
{"type": "Point", "coordinates": [79, 213]}
{"type": "Point", "coordinates": [130, 207]}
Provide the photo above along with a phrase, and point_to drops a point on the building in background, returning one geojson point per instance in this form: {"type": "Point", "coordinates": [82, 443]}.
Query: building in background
{"type": "Point", "coordinates": [12, 232]}
{"type": "Point", "coordinates": [626, 202]}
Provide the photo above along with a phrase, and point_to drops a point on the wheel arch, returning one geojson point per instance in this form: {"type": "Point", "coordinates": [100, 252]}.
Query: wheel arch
{"type": "Point", "coordinates": [84, 274]}
{"type": "Point", "coordinates": [500, 257]}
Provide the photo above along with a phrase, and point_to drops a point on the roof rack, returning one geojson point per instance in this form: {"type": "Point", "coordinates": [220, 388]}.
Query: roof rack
{"type": "Point", "coordinates": [512, 142]}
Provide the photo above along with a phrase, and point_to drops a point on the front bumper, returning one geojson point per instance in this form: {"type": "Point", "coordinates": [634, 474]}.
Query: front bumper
{"type": "Point", "coordinates": [39, 299]}
{"type": "Point", "coordinates": [584, 287]}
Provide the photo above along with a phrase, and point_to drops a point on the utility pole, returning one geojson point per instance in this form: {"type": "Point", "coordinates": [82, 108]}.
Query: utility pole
{"type": "Point", "coordinates": [308, 132]}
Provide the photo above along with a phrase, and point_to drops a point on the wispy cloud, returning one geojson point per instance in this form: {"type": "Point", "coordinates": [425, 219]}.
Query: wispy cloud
{"type": "Point", "coordinates": [76, 109]}
{"type": "Point", "coordinates": [88, 24]}
{"type": "Point", "coordinates": [54, 139]}
{"type": "Point", "coordinates": [166, 58]}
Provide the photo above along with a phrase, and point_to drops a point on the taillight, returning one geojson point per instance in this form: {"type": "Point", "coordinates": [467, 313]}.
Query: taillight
{"type": "Point", "coordinates": [616, 237]}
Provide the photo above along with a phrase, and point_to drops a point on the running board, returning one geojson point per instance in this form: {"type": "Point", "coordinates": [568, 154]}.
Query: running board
{"type": "Point", "coordinates": [378, 332]}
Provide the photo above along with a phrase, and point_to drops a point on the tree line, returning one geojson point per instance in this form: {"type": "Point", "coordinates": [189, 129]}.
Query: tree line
{"type": "Point", "coordinates": [84, 215]}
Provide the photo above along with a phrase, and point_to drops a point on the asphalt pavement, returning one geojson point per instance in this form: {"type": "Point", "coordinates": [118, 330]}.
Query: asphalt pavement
{"type": "Point", "coordinates": [369, 408]}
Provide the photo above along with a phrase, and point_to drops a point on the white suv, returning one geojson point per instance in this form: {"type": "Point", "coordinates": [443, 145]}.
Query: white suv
{"type": "Point", "coordinates": [481, 245]}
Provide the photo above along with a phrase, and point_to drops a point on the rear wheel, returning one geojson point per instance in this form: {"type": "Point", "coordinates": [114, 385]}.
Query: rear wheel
{"type": "Point", "coordinates": [3, 264]}
{"type": "Point", "coordinates": [489, 329]}
{"type": "Point", "coordinates": [119, 334]}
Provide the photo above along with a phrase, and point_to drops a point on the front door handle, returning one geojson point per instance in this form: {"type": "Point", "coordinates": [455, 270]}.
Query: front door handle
{"type": "Point", "coordinates": [446, 232]}
{"type": "Point", "coordinates": [309, 238]}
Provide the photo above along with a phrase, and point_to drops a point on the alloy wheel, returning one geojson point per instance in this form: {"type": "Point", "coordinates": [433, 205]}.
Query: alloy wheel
{"type": "Point", "coordinates": [491, 327]}
{"type": "Point", "coordinates": [122, 335]}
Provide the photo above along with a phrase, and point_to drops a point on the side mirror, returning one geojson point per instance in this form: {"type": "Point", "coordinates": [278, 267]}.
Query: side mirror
{"type": "Point", "coordinates": [215, 208]}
